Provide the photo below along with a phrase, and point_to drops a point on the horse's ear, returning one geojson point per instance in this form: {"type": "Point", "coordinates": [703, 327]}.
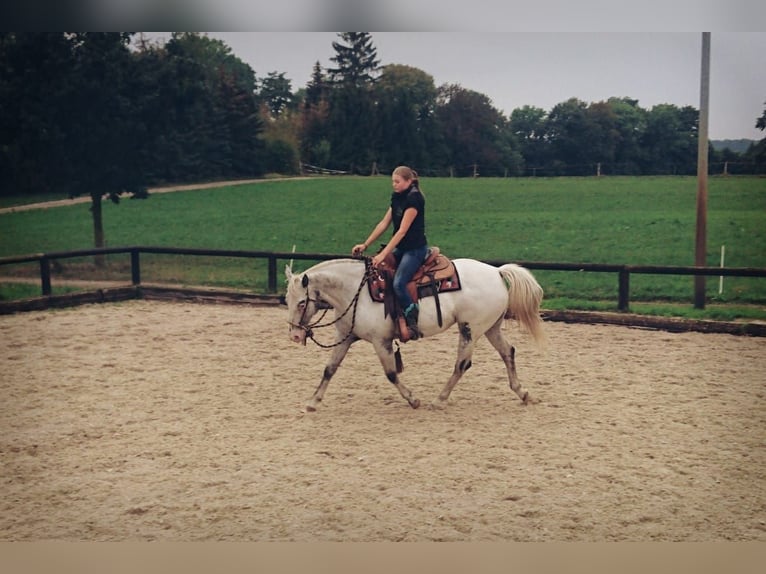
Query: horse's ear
{"type": "Point", "coordinates": [305, 281]}
{"type": "Point", "coordinates": [288, 272]}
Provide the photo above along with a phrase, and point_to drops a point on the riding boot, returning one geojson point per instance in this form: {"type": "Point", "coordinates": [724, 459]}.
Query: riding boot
{"type": "Point", "coordinates": [411, 317]}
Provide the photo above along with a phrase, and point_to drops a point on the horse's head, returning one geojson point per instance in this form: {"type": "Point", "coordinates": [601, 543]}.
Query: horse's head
{"type": "Point", "coordinates": [301, 306]}
{"type": "Point", "coordinates": [325, 286]}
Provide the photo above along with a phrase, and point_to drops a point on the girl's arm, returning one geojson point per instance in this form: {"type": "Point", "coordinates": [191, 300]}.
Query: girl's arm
{"type": "Point", "coordinates": [409, 216]}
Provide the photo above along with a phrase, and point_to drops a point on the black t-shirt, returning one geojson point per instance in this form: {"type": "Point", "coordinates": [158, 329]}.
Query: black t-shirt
{"type": "Point", "coordinates": [400, 202]}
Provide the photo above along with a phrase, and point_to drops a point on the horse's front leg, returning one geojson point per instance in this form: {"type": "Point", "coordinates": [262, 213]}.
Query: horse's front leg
{"type": "Point", "coordinates": [336, 358]}
{"type": "Point", "coordinates": [385, 351]}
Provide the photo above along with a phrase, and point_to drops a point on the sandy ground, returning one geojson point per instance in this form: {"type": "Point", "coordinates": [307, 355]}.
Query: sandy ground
{"type": "Point", "coordinates": [184, 422]}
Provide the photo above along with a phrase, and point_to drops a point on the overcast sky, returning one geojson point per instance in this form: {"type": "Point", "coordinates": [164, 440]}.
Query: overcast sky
{"type": "Point", "coordinates": [539, 69]}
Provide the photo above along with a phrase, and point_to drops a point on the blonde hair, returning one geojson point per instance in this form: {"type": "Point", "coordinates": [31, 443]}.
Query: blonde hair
{"type": "Point", "coordinates": [407, 173]}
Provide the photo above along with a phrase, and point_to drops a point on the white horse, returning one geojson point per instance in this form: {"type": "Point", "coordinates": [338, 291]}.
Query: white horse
{"type": "Point", "coordinates": [488, 296]}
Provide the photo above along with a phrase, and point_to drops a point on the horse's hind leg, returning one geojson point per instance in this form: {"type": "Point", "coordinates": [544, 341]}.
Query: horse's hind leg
{"type": "Point", "coordinates": [336, 358]}
{"type": "Point", "coordinates": [462, 364]}
{"type": "Point", "coordinates": [508, 353]}
{"type": "Point", "coordinates": [385, 352]}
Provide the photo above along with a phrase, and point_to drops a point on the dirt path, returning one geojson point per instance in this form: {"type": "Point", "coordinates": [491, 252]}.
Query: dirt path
{"type": "Point", "coordinates": [184, 422]}
{"type": "Point", "coordinates": [167, 189]}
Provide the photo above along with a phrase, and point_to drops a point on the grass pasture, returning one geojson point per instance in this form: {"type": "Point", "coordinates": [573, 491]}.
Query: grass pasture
{"type": "Point", "coordinates": [620, 220]}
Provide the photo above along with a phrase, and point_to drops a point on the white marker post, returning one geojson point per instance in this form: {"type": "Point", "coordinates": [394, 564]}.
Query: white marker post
{"type": "Point", "coordinates": [720, 279]}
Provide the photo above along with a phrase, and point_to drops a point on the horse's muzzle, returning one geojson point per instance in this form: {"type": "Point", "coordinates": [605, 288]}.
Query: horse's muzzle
{"type": "Point", "coordinates": [298, 335]}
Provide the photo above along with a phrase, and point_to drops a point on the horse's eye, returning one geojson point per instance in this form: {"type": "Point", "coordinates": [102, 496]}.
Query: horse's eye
{"type": "Point", "coordinates": [302, 305]}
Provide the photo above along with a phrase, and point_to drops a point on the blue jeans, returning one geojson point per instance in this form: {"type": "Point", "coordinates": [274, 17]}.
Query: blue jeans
{"type": "Point", "coordinates": [408, 264]}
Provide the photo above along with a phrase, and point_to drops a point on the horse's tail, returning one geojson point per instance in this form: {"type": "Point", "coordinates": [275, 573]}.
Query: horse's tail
{"type": "Point", "coordinates": [524, 298]}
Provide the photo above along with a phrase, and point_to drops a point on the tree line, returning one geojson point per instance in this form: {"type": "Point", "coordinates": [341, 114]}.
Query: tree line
{"type": "Point", "coordinates": [103, 114]}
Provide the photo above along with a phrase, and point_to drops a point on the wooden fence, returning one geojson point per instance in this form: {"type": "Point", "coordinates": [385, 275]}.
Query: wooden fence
{"type": "Point", "coordinates": [623, 272]}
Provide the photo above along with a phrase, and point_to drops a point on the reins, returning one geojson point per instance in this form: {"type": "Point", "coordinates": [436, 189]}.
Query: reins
{"type": "Point", "coordinates": [309, 328]}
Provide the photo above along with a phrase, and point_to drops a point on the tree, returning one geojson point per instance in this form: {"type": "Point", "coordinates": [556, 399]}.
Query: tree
{"type": "Point", "coordinates": [314, 143]}
{"type": "Point", "coordinates": [356, 60]}
{"type": "Point", "coordinates": [601, 135]}
{"type": "Point", "coordinates": [36, 69]}
{"type": "Point", "coordinates": [314, 146]}
{"type": "Point", "coordinates": [528, 125]}
{"type": "Point", "coordinates": [475, 132]}
{"type": "Point", "coordinates": [760, 123]}
{"type": "Point", "coordinates": [211, 125]}
{"type": "Point", "coordinates": [276, 93]}
{"type": "Point", "coordinates": [243, 128]}
{"type": "Point", "coordinates": [574, 134]}
{"type": "Point", "coordinates": [670, 140]}
{"type": "Point", "coordinates": [757, 151]}
{"type": "Point", "coordinates": [90, 114]}
{"type": "Point", "coordinates": [630, 124]}
{"type": "Point", "coordinates": [316, 89]}
{"type": "Point", "coordinates": [282, 124]}
{"type": "Point", "coordinates": [75, 99]}
{"type": "Point", "coordinates": [351, 132]}
{"type": "Point", "coordinates": [406, 102]}
{"type": "Point", "coordinates": [103, 128]}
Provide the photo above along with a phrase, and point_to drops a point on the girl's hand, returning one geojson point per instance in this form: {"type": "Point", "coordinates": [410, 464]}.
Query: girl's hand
{"type": "Point", "coordinates": [358, 249]}
{"type": "Point", "coordinates": [378, 260]}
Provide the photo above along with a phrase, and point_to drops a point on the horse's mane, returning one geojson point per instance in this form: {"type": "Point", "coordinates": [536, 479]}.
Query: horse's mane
{"type": "Point", "coordinates": [323, 266]}
{"type": "Point", "coordinates": [331, 263]}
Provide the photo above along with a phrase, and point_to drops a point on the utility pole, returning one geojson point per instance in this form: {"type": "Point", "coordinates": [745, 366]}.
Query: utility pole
{"type": "Point", "coordinates": [702, 169]}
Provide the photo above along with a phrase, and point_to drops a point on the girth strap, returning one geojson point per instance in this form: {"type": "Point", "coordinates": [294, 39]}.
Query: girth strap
{"type": "Point", "coordinates": [435, 290]}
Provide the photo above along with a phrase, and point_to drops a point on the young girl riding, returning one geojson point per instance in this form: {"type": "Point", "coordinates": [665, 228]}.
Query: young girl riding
{"type": "Point", "coordinates": [408, 242]}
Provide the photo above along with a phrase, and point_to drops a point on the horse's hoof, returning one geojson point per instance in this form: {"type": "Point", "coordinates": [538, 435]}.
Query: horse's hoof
{"type": "Point", "coordinates": [310, 409]}
{"type": "Point", "coordinates": [415, 403]}
{"type": "Point", "coordinates": [528, 400]}
{"type": "Point", "coordinates": [438, 405]}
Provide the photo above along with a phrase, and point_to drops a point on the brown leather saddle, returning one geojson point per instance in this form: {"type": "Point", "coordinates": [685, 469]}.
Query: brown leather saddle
{"type": "Point", "coordinates": [437, 275]}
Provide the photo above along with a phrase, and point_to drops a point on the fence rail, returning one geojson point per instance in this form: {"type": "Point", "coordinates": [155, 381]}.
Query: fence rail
{"type": "Point", "coordinates": [623, 271]}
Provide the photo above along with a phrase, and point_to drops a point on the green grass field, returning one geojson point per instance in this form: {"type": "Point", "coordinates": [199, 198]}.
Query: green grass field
{"type": "Point", "coordinates": [621, 220]}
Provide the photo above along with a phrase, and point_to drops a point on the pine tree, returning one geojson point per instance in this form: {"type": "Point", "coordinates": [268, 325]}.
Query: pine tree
{"type": "Point", "coordinates": [316, 89]}
{"type": "Point", "coordinates": [352, 108]}
{"type": "Point", "coordinates": [357, 60]}
{"type": "Point", "coordinates": [314, 145]}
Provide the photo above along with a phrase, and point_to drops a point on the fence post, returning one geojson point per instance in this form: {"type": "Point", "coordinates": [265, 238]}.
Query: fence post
{"type": "Point", "coordinates": [272, 274]}
{"type": "Point", "coordinates": [45, 275]}
{"type": "Point", "coordinates": [623, 303]}
{"type": "Point", "coordinates": [135, 267]}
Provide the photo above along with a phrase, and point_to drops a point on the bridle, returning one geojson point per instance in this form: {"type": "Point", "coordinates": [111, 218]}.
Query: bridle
{"type": "Point", "coordinates": [308, 328]}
